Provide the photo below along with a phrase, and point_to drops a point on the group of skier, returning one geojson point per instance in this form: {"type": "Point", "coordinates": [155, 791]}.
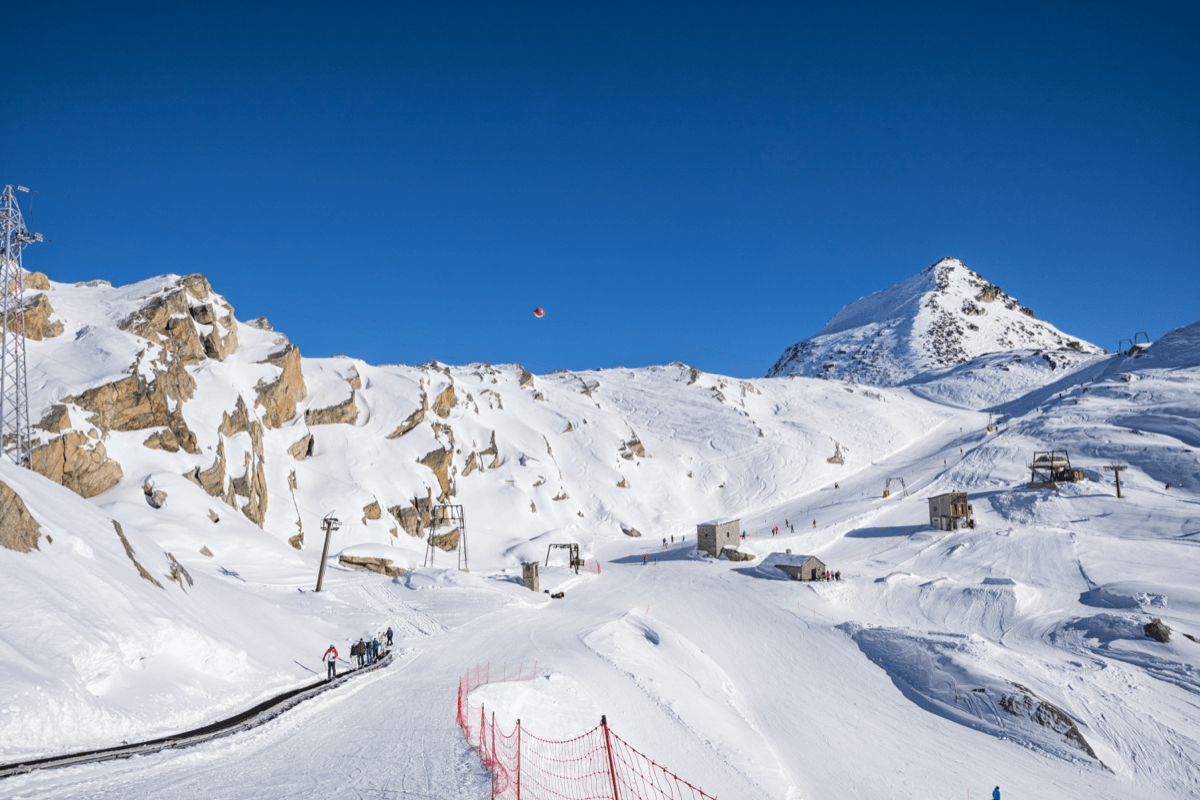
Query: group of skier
{"type": "Point", "coordinates": [364, 652]}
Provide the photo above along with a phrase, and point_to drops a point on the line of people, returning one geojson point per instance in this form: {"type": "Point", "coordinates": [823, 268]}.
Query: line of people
{"type": "Point", "coordinates": [362, 653]}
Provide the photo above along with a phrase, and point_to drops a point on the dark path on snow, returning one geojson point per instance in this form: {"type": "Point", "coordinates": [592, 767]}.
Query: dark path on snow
{"type": "Point", "coordinates": [242, 721]}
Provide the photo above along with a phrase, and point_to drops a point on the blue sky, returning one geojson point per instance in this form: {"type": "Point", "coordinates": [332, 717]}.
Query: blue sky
{"type": "Point", "coordinates": [706, 183]}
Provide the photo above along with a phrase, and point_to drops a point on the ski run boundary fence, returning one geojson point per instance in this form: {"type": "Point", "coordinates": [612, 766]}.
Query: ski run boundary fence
{"type": "Point", "coordinates": [597, 765]}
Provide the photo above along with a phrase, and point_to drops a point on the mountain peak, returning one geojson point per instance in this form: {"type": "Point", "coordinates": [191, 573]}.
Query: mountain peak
{"type": "Point", "coordinates": [946, 314]}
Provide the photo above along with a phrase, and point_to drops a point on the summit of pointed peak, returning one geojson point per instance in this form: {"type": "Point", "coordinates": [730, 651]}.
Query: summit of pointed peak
{"type": "Point", "coordinates": [946, 314]}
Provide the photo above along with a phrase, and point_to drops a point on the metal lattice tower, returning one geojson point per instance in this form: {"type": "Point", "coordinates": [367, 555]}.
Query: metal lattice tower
{"type": "Point", "coordinates": [14, 388]}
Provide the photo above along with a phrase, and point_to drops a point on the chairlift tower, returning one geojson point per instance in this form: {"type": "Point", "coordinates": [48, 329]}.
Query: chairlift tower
{"type": "Point", "coordinates": [15, 439]}
{"type": "Point", "coordinates": [447, 516]}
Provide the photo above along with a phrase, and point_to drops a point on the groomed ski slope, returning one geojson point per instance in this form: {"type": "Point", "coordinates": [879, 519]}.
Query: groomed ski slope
{"type": "Point", "coordinates": [752, 686]}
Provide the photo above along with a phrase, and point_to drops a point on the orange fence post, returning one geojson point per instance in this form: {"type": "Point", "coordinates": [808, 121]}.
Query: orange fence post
{"type": "Point", "coordinates": [612, 770]}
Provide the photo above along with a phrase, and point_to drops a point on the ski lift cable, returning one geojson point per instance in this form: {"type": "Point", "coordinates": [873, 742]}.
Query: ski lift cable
{"type": "Point", "coordinates": [391, 277]}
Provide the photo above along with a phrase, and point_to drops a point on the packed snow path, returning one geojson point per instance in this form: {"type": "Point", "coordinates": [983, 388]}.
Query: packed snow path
{"type": "Point", "coordinates": [239, 723]}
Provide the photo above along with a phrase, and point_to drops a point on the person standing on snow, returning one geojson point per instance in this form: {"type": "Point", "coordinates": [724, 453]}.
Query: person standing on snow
{"type": "Point", "coordinates": [375, 647]}
{"type": "Point", "coordinates": [996, 793]}
{"type": "Point", "coordinates": [389, 637]}
{"type": "Point", "coordinates": [330, 659]}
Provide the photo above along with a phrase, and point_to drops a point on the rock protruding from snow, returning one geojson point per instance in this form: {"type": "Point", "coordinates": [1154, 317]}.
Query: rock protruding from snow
{"type": "Point", "coordinates": [943, 316]}
{"type": "Point", "coordinates": [77, 462]}
{"type": "Point", "coordinates": [38, 325]}
{"type": "Point", "coordinates": [279, 397]}
{"type": "Point", "coordinates": [18, 529]}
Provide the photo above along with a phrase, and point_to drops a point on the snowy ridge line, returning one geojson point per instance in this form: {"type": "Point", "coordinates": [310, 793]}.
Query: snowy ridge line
{"type": "Point", "coordinates": [246, 720]}
{"type": "Point", "coordinates": [594, 765]}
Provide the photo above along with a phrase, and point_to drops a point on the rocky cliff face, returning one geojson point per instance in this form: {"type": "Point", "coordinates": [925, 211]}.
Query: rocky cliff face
{"type": "Point", "coordinates": [943, 316]}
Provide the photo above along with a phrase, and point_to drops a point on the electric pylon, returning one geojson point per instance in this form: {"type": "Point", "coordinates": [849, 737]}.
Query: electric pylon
{"type": "Point", "coordinates": [15, 440]}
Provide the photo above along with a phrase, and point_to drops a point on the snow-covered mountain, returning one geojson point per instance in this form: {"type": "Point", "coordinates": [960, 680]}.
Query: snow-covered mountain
{"type": "Point", "coordinates": [156, 570]}
{"type": "Point", "coordinates": [943, 316]}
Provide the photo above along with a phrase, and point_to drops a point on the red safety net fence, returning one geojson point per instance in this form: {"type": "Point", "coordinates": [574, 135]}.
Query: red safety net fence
{"type": "Point", "coordinates": [598, 765]}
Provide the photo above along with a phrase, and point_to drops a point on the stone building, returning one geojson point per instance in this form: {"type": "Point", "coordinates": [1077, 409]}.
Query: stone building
{"type": "Point", "coordinates": [950, 511]}
{"type": "Point", "coordinates": [713, 536]}
{"type": "Point", "coordinates": [797, 567]}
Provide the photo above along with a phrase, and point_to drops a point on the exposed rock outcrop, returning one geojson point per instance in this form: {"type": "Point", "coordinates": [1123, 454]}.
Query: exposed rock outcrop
{"type": "Point", "coordinates": [252, 485]}
{"type": "Point", "coordinates": [178, 573]}
{"type": "Point", "coordinates": [132, 557]}
{"type": "Point", "coordinates": [303, 448]}
{"type": "Point", "coordinates": [345, 413]}
{"type": "Point", "coordinates": [297, 541]}
{"type": "Point", "coordinates": [372, 511]}
{"type": "Point", "coordinates": [632, 448]}
{"type": "Point", "coordinates": [631, 531]}
{"type": "Point", "coordinates": [446, 541]}
{"type": "Point", "coordinates": [204, 551]}
{"type": "Point", "coordinates": [211, 480]}
{"type": "Point", "coordinates": [413, 420]}
{"type": "Point", "coordinates": [18, 529]}
{"type": "Point", "coordinates": [439, 461]}
{"type": "Point", "coordinates": [237, 422]}
{"type": "Point", "coordinates": [155, 497]}
{"type": "Point", "coordinates": [56, 420]}
{"type": "Point", "coordinates": [734, 554]}
{"type": "Point", "coordinates": [132, 403]}
{"type": "Point", "coordinates": [78, 463]}
{"type": "Point", "coordinates": [444, 402]}
{"type": "Point", "coordinates": [415, 518]}
{"type": "Point", "coordinates": [1024, 703]}
{"type": "Point", "coordinates": [36, 281]}
{"type": "Point", "coordinates": [279, 397]}
{"type": "Point", "coordinates": [490, 451]}
{"type": "Point", "coordinates": [218, 347]}
{"type": "Point", "coordinates": [38, 325]}
{"type": "Point", "coordinates": [1157, 630]}
{"type": "Point", "coordinates": [381, 565]}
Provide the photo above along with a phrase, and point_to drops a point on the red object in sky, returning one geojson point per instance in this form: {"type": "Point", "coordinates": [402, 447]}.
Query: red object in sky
{"type": "Point", "coordinates": [539, 312]}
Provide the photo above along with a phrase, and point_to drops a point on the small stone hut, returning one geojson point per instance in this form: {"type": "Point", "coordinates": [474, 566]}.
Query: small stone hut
{"type": "Point", "coordinates": [950, 511]}
{"type": "Point", "coordinates": [713, 536]}
{"type": "Point", "coordinates": [797, 567]}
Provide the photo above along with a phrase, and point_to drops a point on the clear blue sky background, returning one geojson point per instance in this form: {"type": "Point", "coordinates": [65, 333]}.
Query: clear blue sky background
{"type": "Point", "coordinates": [403, 182]}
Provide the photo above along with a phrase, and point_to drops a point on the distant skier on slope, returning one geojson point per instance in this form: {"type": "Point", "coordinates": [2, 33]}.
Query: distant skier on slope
{"type": "Point", "coordinates": [330, 659]}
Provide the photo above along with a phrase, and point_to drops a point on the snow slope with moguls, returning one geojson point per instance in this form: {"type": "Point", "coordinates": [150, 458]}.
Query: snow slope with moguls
{"type": "Point", "coordinates": [157, 567]}
{"type": "Point", "coordinates": [943, 316]}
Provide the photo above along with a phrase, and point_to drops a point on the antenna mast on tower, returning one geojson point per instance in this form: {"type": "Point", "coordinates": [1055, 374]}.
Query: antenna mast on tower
{"type": "Point", "coordinates": [14, 388]}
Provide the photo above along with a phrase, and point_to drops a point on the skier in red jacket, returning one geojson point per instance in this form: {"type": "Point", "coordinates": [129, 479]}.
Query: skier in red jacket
{"type": "Point", "coordinates": [330, 659]}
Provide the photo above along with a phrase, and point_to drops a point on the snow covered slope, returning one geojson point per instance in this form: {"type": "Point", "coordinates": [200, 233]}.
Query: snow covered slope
{"type": "Point", "coordinates": [943, 316]}
{"type": "Point", "coordinates": [941, 664]}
